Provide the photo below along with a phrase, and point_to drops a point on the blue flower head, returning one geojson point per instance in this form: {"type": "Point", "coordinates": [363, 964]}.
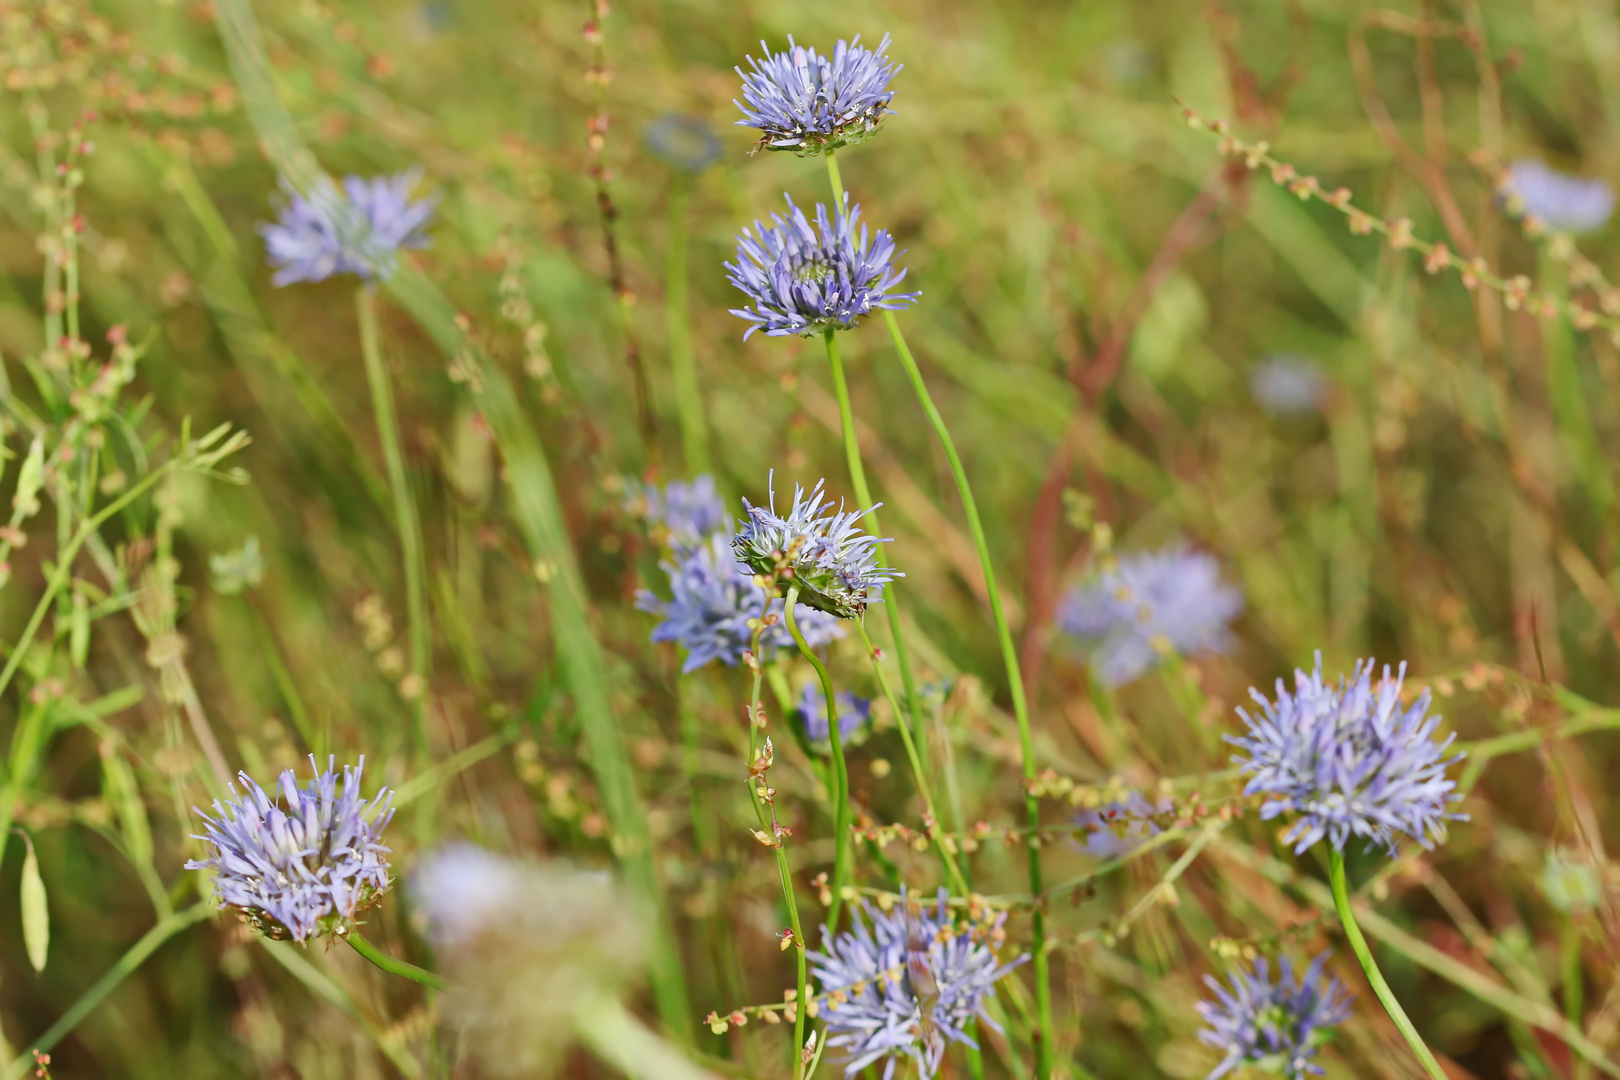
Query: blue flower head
{"type": "Point", "coordinates": [1288, 385]}
{"type": "Point", "coordinates": [688, 512]}
{"type": "Point", "coordinates": [802, 279]}
{"type": "Point", "coordinates": [1349, 760]}
{"type": "Point", "coordinates": [854, 713]}
{"type": "Point", "coordinates": [810, 103]}
{"type": "Point", "coordinates": [1130, 616]}
{"type": "Point", "coordinates": [357, 229]}
{"type": "Point", "coordinates": [1562, 202]}
{"type": "Point", "coordinates": [684, 143]}
{"type": "Point", "coordinates": [1274, 1026]}
{"type": "Point", "coordinates": [302, 864]}
{"type": "Point", "coordinates": [820, 550]}
{"type": "Point", "coordinates": [712, 598]}
{"type": "Point", "coordinates": [1118, 828]}
{"type": "Point", "coordinates": [903, 983]}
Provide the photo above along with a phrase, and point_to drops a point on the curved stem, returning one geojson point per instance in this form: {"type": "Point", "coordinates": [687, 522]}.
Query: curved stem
{"type": "Point", "coordinates": [841, 852]}
{"type": "Point", "coordinates": [410, 533]}
{"type": "Point", "coordinates": [1015, 687]}
{"type": "Point", "coordinates": [392, 966]}
{"type": "Point", "coordinates": [1358, 945]}
{"type": "Point", "coordinates": [766, 823]}
{"type": "Point", "coordinates": [959, 884]}
{"type": "Point", "coordinates": [863, 495]}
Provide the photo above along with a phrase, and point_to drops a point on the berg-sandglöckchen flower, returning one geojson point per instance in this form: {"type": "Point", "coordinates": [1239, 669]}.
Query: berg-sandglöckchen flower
{"type": "Point", "coordinates": [802, 278]}
{"type": "Point", "coordinates": [816, 548]}
{"type": "Point", "coordinates": [853, 712]}
{"type": "Point", "coordinates": [1349, 760]}
{"type": "Point", "coordinates": [712, 598]}
{"type": "Point", "coordinates": [688, 512]}
{"type": "Point", "coordinates": [1275, 1026]}
{"type": "Point", "coordinates": [525, 944]}
{"type": "Point", "coordinates": [1557, 200]}
{"type": "Point", "coordinates": [357, 229]}
{"type": "Point", "coordinates": [911, 980]}
{"type": "Point", "coordinates": [1289, 385]}
{"type": "Point", "coordinates": [684, 143]}
{"type": "Point", "coordinates": [1129, 616]}
{"type": "Point", "coordinates": [303, 864]}
{"type": "Point", "coordinates": [811, 103]}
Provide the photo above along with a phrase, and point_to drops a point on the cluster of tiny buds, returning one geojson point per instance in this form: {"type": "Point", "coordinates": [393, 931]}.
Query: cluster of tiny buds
{"type": "Point", "coordinates": [42, 1065]}
{"type": "Point", "coordinates": [1250, 948]}
{"type": "Point", "coordinates": [1518, 293]}
{"type": "Point", "coordinates": [981, 928]}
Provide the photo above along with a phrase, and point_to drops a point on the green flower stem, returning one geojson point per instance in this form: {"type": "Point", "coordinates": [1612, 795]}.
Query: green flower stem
{"type": "Point", "coordinates": [410, 532]}
{"type": "Point", "coordinates": [392, 966]}
{"type": "Point", "coordinates": [841, 849]}
{"type": "Point", "coordinates": [959, 884]}
{"type": "Point", "coordinates": [1358, 945]}
{"type": "Point", "coordinates": [863, 495]}
{"type": "Point", "coordinates": [1015, 686]}
{"type": "Point", "coordinates": [837, 183]}
{"type": "Point", "coordinates": [782, 869]}
{"type": "Point", "coordinates": [677, 321]}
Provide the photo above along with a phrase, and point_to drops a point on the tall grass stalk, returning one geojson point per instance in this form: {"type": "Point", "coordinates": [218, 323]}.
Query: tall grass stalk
{"type": "Point", "coordinates": [678, 324]}
{"type": "Point", "coordinates": [1015, 686]}
{"type": "Point", "coordinates": [405, 520]}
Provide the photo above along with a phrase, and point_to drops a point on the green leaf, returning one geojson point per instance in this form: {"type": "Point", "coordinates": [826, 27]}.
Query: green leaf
{"type": "Point", "coordinates": [36, 918]}
{"type": "Point", "coordinates": [121, 791]}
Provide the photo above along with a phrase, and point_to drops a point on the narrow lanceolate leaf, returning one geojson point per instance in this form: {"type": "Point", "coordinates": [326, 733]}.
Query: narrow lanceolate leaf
{"type": "Point", "coordinates": [123, 794]}
{"type": "Point", "coordinates": [36, 919]}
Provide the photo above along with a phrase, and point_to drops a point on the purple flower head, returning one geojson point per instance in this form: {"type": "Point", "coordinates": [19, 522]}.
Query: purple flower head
{"type": "Point", "coordinates": [712, 597]}
{"type": "Point", "coordinates": [304, 863]}
{"type": "Point", "coordinates": [1288, 385]}
{"type": "Point", "coordinates": [686, 143]}
{"type": "Point", "coordinates": [1120, 827]}
{"type": "Point", "coordinates": [357, 229]}
{"type": "Point", "coordinates": [1562, 202]}
{"type": "Point", "coordinates": [1349, 760]}
{"type": "Point", "coordinates": [803, 279]}
{"type": "Point", "coordinates": [853, 713]}
{"type": "Point", "coordinates": [820, 550]}
{"type": "Point", "coordinates": [688, 512]}
{"type": "Point", "coordinates": [810, 103]}
{"type": "Point", "coordinates": [912, 980]}
{"type": "Point", "coordinates": [1275, 1026]}
{"type": "Point", "coordinates": [1130, 616]}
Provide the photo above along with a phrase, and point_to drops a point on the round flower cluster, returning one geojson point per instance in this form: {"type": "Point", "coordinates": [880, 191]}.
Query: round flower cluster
{"type": "Point", "coordinates": [811, 103]}
{"type": "Point", "coordinates": [1275, 1026]}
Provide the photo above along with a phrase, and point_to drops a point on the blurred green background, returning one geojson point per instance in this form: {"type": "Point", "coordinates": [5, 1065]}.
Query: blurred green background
{"type": "Point", "coordinates": [1446, 504]}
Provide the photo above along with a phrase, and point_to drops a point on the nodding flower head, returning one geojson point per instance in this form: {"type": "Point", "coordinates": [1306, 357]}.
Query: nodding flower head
{"type": "Point", "coordinates": [684, 143]}
{"type": "Point", "coordinates": [1557, 200]}
{"type": "Point", "coordinates": [802, 278]}
{"type": "Point", "coordinates": [357, 229]}
{"type": "Point", "coordinates": [811, 103]}
{"type": "Point", "coordinates": [688, 512]}
{"type": "Point", "coordinates": [1275, 1026]}
{"type": "Point", "coordinates": [1349, 760]}
{"type": "Point", "coordinates": [713, 598]}
{"type": "Point", "coordinates": [909, 981]}
{"type": "Point", "coordinates": [1128, 617]}
{"type": "Point", "coordinates": [853, 713]}
{"type": "Point", "coordinates": [302, 864]}
{"type": "Point", "coordinates": [817, 549]}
